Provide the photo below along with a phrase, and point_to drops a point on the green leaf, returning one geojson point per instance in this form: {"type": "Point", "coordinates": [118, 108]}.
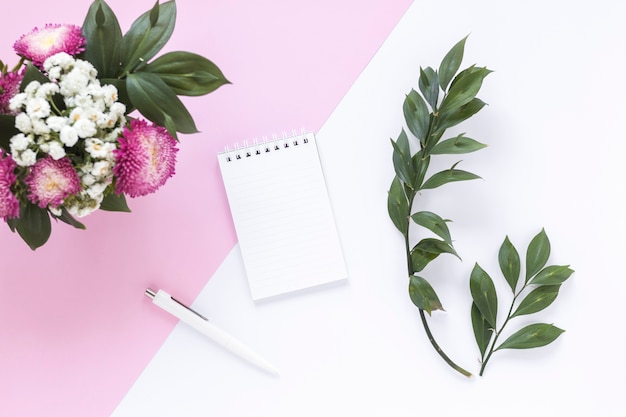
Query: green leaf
{"type": "Point", "coordinates": [537, 300]}
{"type": "Point", "coordinates": [509, 261]}
{"type": "Point", "coordinates": [33, 74]}
{"type": "Point", "coordinates": [402, 161]}
{"type": "Point", "coordinates": [434, 223]}
{"type": "Point", "coordinates": [427, 250]}
{"type": "Point", "coordinates": [103, 36]}
{"type": "Point", "coordinates": [423, 295]}
{"type": "Point", "coordinates": [482, 330]}
{"type": "Point", "coordinates": [429, 86]}
{"type": "Point", "coordinates": [552, 275]}
{"type": "Point", "coordinates": [7, 131]}
{"type": "Point", "coordinates": [187, 73]}
{"type": "Point", "coordinates": [451, 63]}
{"type": "Point", "coordinates": [33, 225]}
{"type": "Point", "coordinates": [156, 101]}
{"type": "Point", "coordinates": [532, 336]}
{"type": "Point", "coordinates": [147, 35]}
{"type": "Point", "coordinates": [69, 219]}
{"type": "Point", "coordinates": [484, 295]}
{"type": "Point", "coordinates": [416, 115]}
{"type": "Point", "coordinates": [537, 254]}
{"type": "Point", "coordinates": [420, 165]}
{"type": "Point", "coordinates": [449, 175]}
{"type": "Point", "coordinates": [114, 202]}
{"type": "Point", "coordinates": [456, 116]}
{"type": "Point", "coordinates": [457, 145]}
{"type": "Point", "coordinates": [463, 90]}
{"type": "Point", "coordinates": [398, 206]}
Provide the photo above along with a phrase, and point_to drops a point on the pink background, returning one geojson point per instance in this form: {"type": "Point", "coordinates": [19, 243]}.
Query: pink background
{"type": "Point", "coordinates": [75, 328]}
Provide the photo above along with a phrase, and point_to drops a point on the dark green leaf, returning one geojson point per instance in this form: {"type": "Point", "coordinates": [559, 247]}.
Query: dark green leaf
{"type": "Point", "coordinates": [532, 336]}
{"type": "Point", "coordinates": [7, 131]}
{"type": "Point", "coordinates": [103, 35]}
{"type": "Point", "coordinates": [484, 295]}
{"type": "Point", "coordinates": [187, 73]}
{"type": "Point", "coordinates": [457, 145]}
{"type": "Point", "coordinates": [423, 295]}
{"type": "Point", "coordinates": [449, 175]}
{"type": "Point", "coordinates": [537, 300]}
{"type": "Point", "coordinates": [155, 100]}
{"type": "Point", "coordinates": [114, 202]}
{"type": "Point", "coordinates": [420, 165]}
{"type": "Point", "coordinates": [69, 219]}
{"type": "Point", "coordinates": [402, 162]}
{"type": "Point", "coordinates": [451, 63]}
{"type": "Point", "coordinates": [537, 254]}
{"type": "Point", "coordinates": [428, 249]}
{"type": "Point", "coordinates": [416, 115]}
{"type": "Point", "coordinates": [552, 275]}
{"type": "Point", "coordinates": [482, 330]}
{"type": "Point", "coordinates": [454, 117]}
{"type": "Point", "coordinates": [33, 74]}
{"type": "Point", "coordinates": [33, 225]}
{"type": "Point", "coordinates": [146, 37]}
{"type": "Point", "coordinates": [434, 223]}
{"type": "Point", "coordinates": [463, 90]}
{"type": "Point", "coordinates": [398, 206]}
{"type": "Point", "coordinates": [509, 263]}
{"type": "Point", "coordinates": [429, 86]}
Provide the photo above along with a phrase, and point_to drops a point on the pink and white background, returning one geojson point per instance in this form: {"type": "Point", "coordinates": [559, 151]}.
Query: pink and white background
{"type": "Point", "coordinates": [78, 338]}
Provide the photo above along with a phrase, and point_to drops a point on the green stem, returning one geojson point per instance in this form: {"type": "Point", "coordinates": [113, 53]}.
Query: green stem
{"type": "Point", "coordinates": [498, 332]}
{"type": "Point", "coordinates": [429, 334]}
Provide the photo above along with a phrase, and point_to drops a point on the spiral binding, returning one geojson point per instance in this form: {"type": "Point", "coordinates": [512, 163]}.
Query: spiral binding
{"type": "Point", "coordinates": [266, 146]}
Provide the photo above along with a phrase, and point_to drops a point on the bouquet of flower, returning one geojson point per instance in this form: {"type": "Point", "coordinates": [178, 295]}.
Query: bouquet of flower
{"type": "Point", "coordinates": [68, 145]}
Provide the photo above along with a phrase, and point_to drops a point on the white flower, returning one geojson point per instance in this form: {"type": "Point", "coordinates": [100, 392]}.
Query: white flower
{"type": "Point", "coordinates": [38, 107]}
{"type": "Point", "coordinates": [85, 128]}
{"type": "Point", "coordinates": [56, 150]}
{"type": "Point", "coordinates": [96, 190]}
{"type": "Point", "coordinates": [40, 127]}
{"type": "Point", "coordinates": [98, 149]}
{"type": "Point", "coordinates": [20, 142]}
{"type": "Point", "coordinates": [31, 88]}
{"type": "Point", "coordinates": [102, 169]}
{"type": "Point", "coordinates": [17, 101]}
{"type": "Point", "coordinates": [68, 136]}
{"type": "Point", "coordinates": [73, 82]}
{"type": "Point", "coordinates": [117, 109]}
{"type": "Point", "coordinates": [25, 158]}
{"type": "Point", "coordinates": [88, 179]}
{"type": "Point", "coordinates": [23, 123]}
{"type": "Point", "coordinates": [109, 93]}
{"type": "Point", "coordinates": [62, 60]}
{"type": "Point", "coordinates": [56, 123]}
{"type": "Point", "coordinates": [47, 90]}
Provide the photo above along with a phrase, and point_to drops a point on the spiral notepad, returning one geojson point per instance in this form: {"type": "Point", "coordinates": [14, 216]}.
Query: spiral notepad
{"type": "Point", "coordinates": [282, 215]}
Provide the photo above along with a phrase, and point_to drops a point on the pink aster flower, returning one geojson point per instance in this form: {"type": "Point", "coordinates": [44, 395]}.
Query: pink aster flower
{"type": "Point", "coordinates": [51, 181]}
{"type": "Point", "coordinates": [145, 159]}
{"type": "Point", "coordinates": [9, 87]}
{"type": "Point", "coordinates": [40, 44]}
{"type": "Point", "coordinates": [9, 205]}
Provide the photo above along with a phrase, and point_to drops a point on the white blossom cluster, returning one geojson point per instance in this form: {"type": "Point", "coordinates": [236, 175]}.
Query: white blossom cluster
{"type": "Point", "coordinates": [86, 130]}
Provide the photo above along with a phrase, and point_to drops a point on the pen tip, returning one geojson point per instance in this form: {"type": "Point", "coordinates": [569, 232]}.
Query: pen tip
{"type": "Point", "coordinates": [150, 293]}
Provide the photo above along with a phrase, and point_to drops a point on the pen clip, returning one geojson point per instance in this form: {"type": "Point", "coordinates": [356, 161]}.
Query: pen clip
{"type": "Point", "coordinates": [190, 309]}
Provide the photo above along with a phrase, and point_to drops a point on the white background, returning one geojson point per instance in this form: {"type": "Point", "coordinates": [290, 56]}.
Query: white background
{"type": "Point", "coordinates": [554, 128]}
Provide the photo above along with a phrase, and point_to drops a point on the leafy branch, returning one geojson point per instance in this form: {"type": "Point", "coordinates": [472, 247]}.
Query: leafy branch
{"type": "Point", "coordinates": [448, 97]}
{"type": "Point", "coordinates": [540, 288]}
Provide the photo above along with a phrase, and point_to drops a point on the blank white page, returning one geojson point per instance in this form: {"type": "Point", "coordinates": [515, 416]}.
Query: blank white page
{"type": "Point", "coordinates": [282, 215]}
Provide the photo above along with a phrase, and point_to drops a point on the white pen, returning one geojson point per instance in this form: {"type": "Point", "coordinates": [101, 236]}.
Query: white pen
{"type": "Point", "coordinates": [202, 324]}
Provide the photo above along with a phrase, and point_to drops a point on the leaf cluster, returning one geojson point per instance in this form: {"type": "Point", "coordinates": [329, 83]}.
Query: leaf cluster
{"type": "Point", "coordinates": [535, 292]}
{"type": "Point", "coordinates": [446, 97]}
{"type": "Point", "coordinates": [151, 86]}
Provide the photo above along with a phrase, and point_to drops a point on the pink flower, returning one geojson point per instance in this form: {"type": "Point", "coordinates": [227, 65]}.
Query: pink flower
{"type": "Point", "coordinates": [9, 205]}
{"type": "Point", "coordinates": [10, 86]}
{"type": "Point", "coordinates": [145, 159]}
{"type": "Point", "coordinates": [51, 181]}
{"type": "Point", "coordinates": [40, 44]}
